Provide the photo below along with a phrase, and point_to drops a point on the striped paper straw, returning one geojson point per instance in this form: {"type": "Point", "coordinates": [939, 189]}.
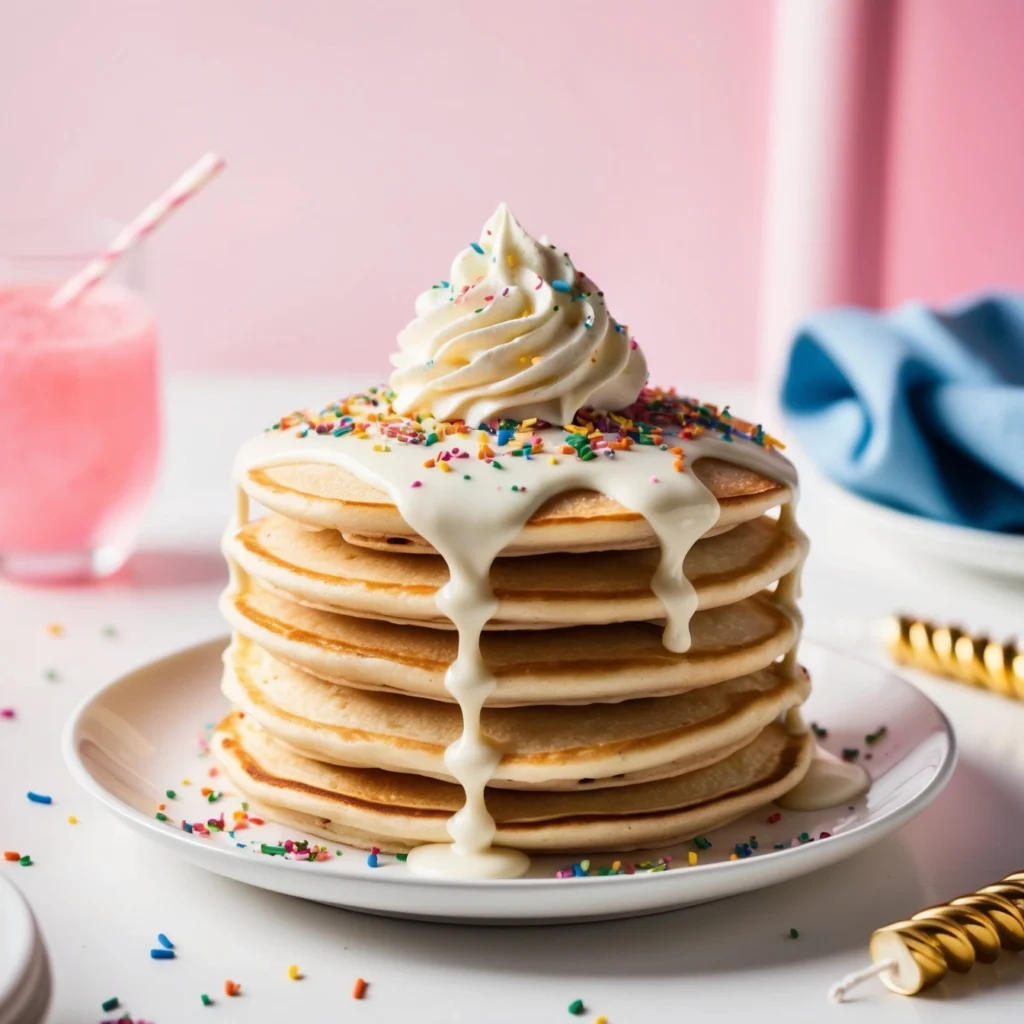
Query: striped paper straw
{"type": "Point", "coordinates": [191, 182]}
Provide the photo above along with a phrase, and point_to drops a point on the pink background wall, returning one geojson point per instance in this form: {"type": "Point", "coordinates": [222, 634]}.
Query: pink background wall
{"type": "Point", "coordinates": [368, 142]}
{"type": "Point", "coordinates": [956, 191]}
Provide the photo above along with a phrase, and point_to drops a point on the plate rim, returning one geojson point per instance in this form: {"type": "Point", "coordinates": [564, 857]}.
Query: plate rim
{"type": "Point", "coordinates": [992, 541]}
{"type": "Point", "coordinates": [886, 822]}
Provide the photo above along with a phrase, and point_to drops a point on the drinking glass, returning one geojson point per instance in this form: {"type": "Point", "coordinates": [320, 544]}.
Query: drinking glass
{"type": "Point", "coordinates": [79, 405]}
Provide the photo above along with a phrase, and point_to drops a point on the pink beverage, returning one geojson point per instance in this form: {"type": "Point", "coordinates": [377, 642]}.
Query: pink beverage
{"type": "Point", "coordinates": [79, 429]}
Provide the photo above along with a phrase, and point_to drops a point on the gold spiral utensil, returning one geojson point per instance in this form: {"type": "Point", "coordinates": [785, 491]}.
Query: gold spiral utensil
{"type": "Point", "coordinates": [912, 955]}
{"type": "Point", "coordinates": [951, 652]}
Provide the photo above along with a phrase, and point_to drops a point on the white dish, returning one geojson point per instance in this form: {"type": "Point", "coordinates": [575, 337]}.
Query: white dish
{"type": "Point", "coordinates": [918, 537]}
{"type": "Point", "coordinates": [24, 968]}
{"type": "Point", "coordinates": [137, 737]}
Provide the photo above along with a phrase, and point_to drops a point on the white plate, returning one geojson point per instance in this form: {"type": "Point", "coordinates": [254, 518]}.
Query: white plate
{"type": "Point", "coordinates": [24, 968]}
{"type": "Point", "coordinates": [916, 536]}
{"type": "Point", "coordinates": [137, 737]}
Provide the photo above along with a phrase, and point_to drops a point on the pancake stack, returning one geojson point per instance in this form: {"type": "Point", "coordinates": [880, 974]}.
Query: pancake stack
{"type": "Point", "coordinates": [608, 741]}
{"type": "Point", "coordinates": [591, 649]}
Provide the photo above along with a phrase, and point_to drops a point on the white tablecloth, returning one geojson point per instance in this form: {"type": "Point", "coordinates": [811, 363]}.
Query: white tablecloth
{"type": "Point", "coordinates": [101, 894]}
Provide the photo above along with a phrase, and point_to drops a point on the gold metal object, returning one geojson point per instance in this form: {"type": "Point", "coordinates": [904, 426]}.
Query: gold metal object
{"type": "Point", "coordinates": [950, 652]}
{"type": "Point", "coordinates": [912, 955]}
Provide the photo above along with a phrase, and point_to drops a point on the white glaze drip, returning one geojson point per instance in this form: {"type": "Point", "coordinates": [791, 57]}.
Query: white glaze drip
{"type": "Point", "coordinates": [829, 782]}
{"type": "Point", "coordinates": [469, 522]}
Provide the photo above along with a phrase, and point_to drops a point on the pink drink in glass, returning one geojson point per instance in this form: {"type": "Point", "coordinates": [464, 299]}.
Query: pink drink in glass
{"type": "Point", "coordinates": [79, 429]}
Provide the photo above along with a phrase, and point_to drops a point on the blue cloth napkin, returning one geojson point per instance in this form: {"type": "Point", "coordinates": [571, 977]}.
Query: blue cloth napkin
{"type": "Point", "coordinates": [919, 409]}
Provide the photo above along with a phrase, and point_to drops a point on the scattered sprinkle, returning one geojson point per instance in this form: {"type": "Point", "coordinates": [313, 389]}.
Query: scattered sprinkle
{"type": "Point", "coordinates": [232, 988]}
{"type": "Point", "coordinates": [11, 855]}
{"type": "Point", "coordinates": [691, 858]}
{"type": "Point", "coordinates": [160, 816]}
{"type": "Point", "coordinates": [51, 675]}
{"type": "Point", "coordinates": [39, 798]}
{"type": "Point", "coordinates": [793, 933]}
{"type": "Point", "coordinates": [55, 629]}
{"type": "Point", "coordinates": [170, 794]}
{"type": "Point", "coordinates": [702, 842]}
{"type": "Point", "coordinates": [109, 632]}
{"type": "Point", "coordinates": [401, 856]}
{"type": "Point", "coordinates": [371, 860]}
{"type": "Point", "coordinates": [819, 731]}
{"type": "Point", "coordinates": [111, 1004]}
{"type": "Point", "coordinates": [164, 941]}
{"type": "Point", "coordinates": [206, 1000]}
{"type": "Point", "coordinates": [774, 818]}
{"type": "Point", "coordinates": [72, 820]}
{"type": "Point", "coordinates": [6, 712]}
{"type": "Point", "coordinates": [850, 753]}
{"type": "Point", "coordinates": [602, 1019]}
{"type": "Point", "coordinates": [359, 989]}
{"type": "Point", "coordinates": [873, 737]}
{"type": "Point", "coordinates": [161, 954]}
{"type": "Point", "coordinates": [25, 861]}
{"type": "Point", "coordinates": [293, 972]}
{"type": "Point", "coordinates": [576, 1006]}
{"type": "Point", "coordinates": [477, 248]}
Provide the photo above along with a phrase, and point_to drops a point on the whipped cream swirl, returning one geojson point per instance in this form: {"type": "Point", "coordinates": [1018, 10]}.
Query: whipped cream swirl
{"type": "Point", "coordinates": [516, 332]}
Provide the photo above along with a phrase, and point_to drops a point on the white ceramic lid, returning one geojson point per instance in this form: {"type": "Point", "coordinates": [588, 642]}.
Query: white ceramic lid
{"type": "Point", "coordinates": [24, 967]}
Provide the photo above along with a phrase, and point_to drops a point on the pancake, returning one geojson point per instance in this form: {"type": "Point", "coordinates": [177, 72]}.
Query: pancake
{"type": "Point", "coordinates": [402, 810]}
{"type": "Point", "coordinates": [550, 748]}
{"type": "Point", "coordinates": [329, 496]}
{"type": "Point", "coordinates": [564, 666]}
{"type": "Point", "coordinates": [321, 569]}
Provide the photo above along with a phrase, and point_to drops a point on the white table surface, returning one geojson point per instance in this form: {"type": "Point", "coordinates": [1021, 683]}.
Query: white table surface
{"type": "Point", "coordinates": [101, 894]}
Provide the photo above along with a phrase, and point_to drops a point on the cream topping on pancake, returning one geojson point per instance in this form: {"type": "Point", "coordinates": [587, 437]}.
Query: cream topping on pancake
{"type": "Point", "coordinates": [517, 331]}
{"type": "Point", "coordinates": [471, 513]}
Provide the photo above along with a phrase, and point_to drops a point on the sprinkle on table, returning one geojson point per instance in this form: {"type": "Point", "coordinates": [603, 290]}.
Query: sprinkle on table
{"type": "Point", "coordinates": [39, 798]}
{"type": "Point", "coordinates": [55, 629]}
{"type": "Point", "coordinates": [11, 855]}
{"type": "Point", "coordinates": [25, 861]}
{"type": "Point", "coordinates": [232, 988]}
{"type": "Point", "coordinates": [793, 933]}
{"type": "Point", "coordinates": [72, 820]}
{"type": "Point", "coordinates": [818, 731]}
{"type": "Point", "coordinates": [293, 972]}
{"type": "Point", "coordinates": [161, 954]}
{"type": "Point", "coordinates": [51, 675]}
{"type": "Point", "coordinates": [873, 737]}
{"type": "Point", "coordinates": [7, 713]}
{"type": "Point", "coordinates": [111, 1004]}
{"type": "Point", "coordinates": [206, 1000]}
{"type": "Point", "coordinates": [576, 1007]}
{"type": "Point", "coordinates": [359, 988]}
{"type": "Point", "coordinates": [850, 753]}
{"type": "Point", "coordinates": [164, 941]}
